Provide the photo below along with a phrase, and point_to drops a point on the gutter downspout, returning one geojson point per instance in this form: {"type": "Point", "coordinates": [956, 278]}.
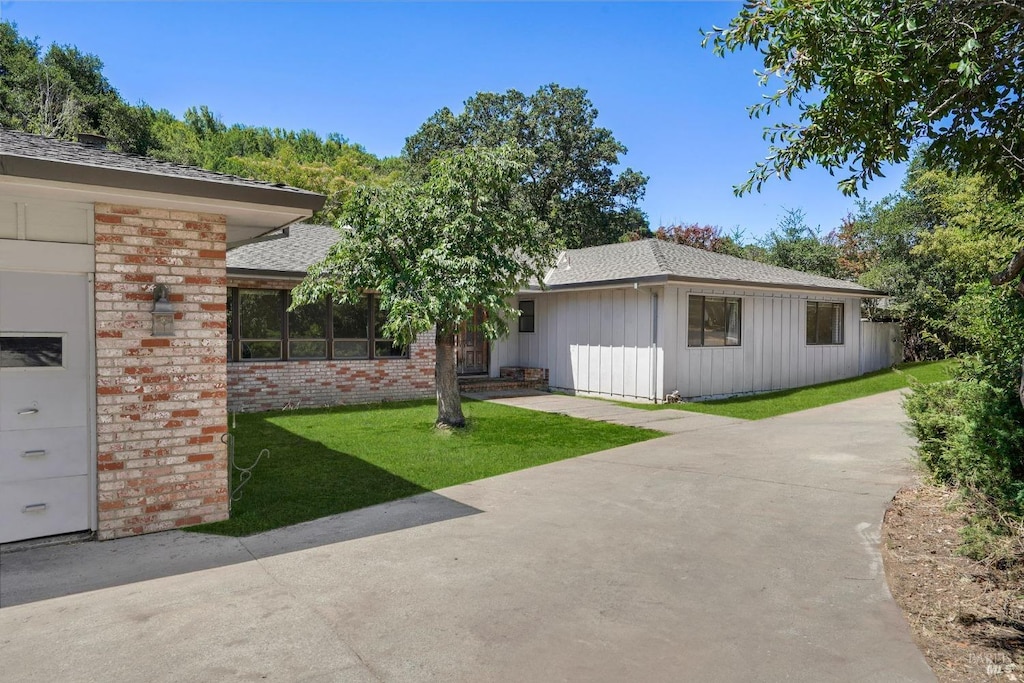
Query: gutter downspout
{"type": "Point", "coordinates": [654, 347]}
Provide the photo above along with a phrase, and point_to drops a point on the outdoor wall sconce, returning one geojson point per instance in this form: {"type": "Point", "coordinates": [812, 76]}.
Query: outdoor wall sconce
{"type": "Point", "coordinates": [163, 314]}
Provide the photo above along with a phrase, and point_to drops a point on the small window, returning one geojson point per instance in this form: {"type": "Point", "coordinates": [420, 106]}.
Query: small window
{"type": "Point", "coordinates": [713, 321]}
{"type": "Point", "coordinates": [259, 323]}
{"type": "Point", "coordinates": [824, 323]}
{"type": "Point", "coordinates": [22, 351]}
{"type": "Point", "coordinates": [527, 318]}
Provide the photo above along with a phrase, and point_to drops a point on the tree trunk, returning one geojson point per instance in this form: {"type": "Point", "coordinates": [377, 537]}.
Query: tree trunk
{"type": "Point", "coordinates": [449, 402]}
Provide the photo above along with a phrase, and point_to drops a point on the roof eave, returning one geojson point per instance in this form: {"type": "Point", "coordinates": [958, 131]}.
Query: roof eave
{"type": "Point", "coordinates": [60, 171]}
{"type": "Point", "coordinates": [663, 279]}
{"type": "Point", "coordinates": [266, 273]}
{"type": "Point", "coordinates": [778, 285]}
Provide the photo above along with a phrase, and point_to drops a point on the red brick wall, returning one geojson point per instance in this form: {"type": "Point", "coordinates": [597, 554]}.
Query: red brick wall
{"type": "Point", "coordinates": [161, 401]}
{"type": "Point", "coordinates": [275, 385]}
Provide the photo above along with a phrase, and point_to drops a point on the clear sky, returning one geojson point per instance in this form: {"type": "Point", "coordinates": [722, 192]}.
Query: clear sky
{"type": "Point", "coordinates": [375, 71]}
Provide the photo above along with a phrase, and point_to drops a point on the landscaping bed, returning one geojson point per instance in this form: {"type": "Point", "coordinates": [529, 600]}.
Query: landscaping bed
{"type": "Point", "coordinates": [325, 461]}
{"type": "Point", "coordinates": [966, 616]}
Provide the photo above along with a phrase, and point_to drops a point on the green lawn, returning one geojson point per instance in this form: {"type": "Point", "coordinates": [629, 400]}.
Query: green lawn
{"type": "Point", "coordinates": [327, 461]}
{"type": "Point", "coordinates": [760, 406]}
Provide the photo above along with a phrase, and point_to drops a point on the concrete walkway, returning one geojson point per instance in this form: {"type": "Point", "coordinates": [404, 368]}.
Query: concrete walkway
{"type": "Point", "coordinates": [740, 551]}
{"type": "Point", "coordinates": [670, 421]}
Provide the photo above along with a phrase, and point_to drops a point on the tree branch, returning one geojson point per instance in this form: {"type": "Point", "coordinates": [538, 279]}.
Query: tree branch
{"type": "Point", "coordinates": [1011, 271]}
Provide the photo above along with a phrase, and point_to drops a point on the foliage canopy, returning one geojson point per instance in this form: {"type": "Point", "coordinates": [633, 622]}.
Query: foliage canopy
{"type": "Point", "coordinates": [465, 237]}
{"type": "Point", "coordinates": [870, 80]}
{"type": "Point", "coordinates": [570, 182]}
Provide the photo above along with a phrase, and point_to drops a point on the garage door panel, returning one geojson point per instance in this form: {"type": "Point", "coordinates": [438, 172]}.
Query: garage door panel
{"type": "Point", "coordinates": [43, 301]}
{"type": "Point", "coordinates": [43, 507]}
{"type": "Point", "coordinates": [41, 399]}
{"type": "Point", "coordinates": [41, 454]}
{"type": "Point", "coordinates": [45, 382]}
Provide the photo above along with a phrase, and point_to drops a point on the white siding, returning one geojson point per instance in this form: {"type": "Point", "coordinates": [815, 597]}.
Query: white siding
{"type": "Point", "coordinates": [601, 342]}
{"type": "Point", "coordinates": [596, 342]}
{"type": "Point", "coordinates": [880, 345]}
{"type": "Point", "coordinates": [773, 352]}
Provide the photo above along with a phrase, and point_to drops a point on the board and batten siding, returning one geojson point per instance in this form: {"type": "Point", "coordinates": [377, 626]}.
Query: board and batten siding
{"type": "Point", "coordinates": [773, 353]}
{"type": "Point", "coordinates": [591, 342]}
{"type": "Point", "coordinates": [880, 345]}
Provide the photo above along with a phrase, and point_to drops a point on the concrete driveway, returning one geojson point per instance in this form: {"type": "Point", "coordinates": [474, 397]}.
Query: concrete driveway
{"type": "Point", "coordinates": [733, 552]}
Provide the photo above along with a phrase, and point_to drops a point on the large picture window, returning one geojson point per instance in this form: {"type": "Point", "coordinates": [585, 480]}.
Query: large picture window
{"type": "Point", "coordinates": [714, 321]}
{"type": "Point", "coordinates": [261, 328]}
{"type": "Point", "coordinates": [824, 322]}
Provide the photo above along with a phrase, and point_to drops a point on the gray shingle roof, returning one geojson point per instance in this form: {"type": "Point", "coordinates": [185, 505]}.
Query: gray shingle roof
{"type": "Point", "coordinates": [305, 245]}
{"type": "Point", "coordinates": [96, 164]}
{"type": "Point", "coordinates": [650, 260]}
{"type": "Point", "coordinates": [658, 259]}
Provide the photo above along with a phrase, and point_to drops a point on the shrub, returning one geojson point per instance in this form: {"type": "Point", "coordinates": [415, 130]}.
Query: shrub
{"type": "Point", "coordinates": [970, 430]}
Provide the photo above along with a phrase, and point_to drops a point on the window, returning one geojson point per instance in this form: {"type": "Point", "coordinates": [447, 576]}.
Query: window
{"type": "Point", "coordinates": [824, 323]}
{"type": "Point", "coordinates": [231, 325]}
{"type": "Point", "coordinates": [307, 331]}
{"type": "Point", "coordinates": [713, 321]}
{"type": "Point", "coordinates": [261, 328]}
{"type": "Point", "coordinates": [259, 323]}
{"type": "Point", "coordinates": [382, 346]}
{"type": "Point", "coordinates": [527, 319]}
{"type": "Point", "coordinates": [352, 329]}
{"type": "Point", "coordinates": [23, 351]}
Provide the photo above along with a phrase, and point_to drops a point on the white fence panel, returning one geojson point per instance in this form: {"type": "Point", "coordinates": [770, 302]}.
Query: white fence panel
{"type": "Point", "coordinates": [880, 345]}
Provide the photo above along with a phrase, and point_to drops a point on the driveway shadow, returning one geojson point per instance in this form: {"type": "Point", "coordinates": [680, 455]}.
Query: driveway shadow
{"type": "Point", "coordinates": [41, 573]}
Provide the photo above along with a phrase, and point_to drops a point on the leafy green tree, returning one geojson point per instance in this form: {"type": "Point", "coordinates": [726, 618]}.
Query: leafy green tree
{"type": "Point", "coordinates": [870, 80]}
{"type": "Point", "coordinates": [570, 184]}
{"type": "Point", "coordinates": [927, 246]}
{"type": "Point", "coordinates": [794, 244]}
{"type": "Point", "coordinates": [435, 250]}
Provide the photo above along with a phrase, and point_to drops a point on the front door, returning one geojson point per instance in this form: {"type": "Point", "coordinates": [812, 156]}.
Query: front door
{"type": "Point", "coordinates": [471, 346]}
{"type": "Point", "coordinates": [44, 405]}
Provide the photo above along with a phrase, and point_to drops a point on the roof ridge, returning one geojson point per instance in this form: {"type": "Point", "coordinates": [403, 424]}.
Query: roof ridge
{"type": "Point", "coordinates": [659, 257]}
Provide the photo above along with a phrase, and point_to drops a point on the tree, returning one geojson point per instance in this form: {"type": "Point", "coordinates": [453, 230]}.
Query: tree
{"type": "Point", "coordinates": [570, 184]}
{"type": "Point", "coordinates": [927, 246]}
{"type": "Point", "coordinates": [870, 80]}
{"type": "Point", "coordinates": [435, 250]}
{"type": "Point", "coordinates": [706, 237]}
{"type": "Point", "coordinates": [794, 244]}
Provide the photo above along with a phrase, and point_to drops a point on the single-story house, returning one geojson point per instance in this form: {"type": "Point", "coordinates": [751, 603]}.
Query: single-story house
{"type": "Point", "coordinates": [652, 319]}
{"type": "Point", "coordinates": [323, 354]}
{"type": "Point", "coordinates": [640, 320]}
{"type": "Point", "coordinates": [113, 323]}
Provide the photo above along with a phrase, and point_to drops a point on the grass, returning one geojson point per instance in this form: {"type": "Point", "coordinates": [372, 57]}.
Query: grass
{"type": "Point", "coordinates": [760, 406]}
{"type": "Point", "coordinates": [326, 461]}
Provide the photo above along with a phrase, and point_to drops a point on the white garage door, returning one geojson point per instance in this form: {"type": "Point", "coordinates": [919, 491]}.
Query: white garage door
{"type": "Point", "coordinates": [45, 485]}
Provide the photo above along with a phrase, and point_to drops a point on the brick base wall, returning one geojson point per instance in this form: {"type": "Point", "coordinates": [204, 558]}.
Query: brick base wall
{"type": "Point", "coordinates": [276, 385]}
{"type": "Point", "coordinates": [161, 401]}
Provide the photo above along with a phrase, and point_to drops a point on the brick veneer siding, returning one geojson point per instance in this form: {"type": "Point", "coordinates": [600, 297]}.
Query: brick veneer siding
{"type": "Point", "coordinates": [161, 401]}
{"type": "Point", "coordinates": [274, 385]}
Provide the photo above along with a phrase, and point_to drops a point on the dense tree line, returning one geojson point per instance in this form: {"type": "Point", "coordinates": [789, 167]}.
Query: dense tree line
{"type": "Point", "coordinates": [862, 84]}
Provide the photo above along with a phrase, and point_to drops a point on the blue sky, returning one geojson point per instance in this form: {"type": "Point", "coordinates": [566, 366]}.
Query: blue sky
{"type": "Point", "coordinates": [375, 71]}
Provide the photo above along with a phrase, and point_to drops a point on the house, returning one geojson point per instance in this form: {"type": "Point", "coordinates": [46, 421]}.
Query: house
{"type": "Point", "coordinates": [329, 353]}
{"type": "Point", "coordinates": [646, 319]}
{"type": "Point", "coordinates": [638, 320]}
{"type": "Point", "coordinates": [113, 328]}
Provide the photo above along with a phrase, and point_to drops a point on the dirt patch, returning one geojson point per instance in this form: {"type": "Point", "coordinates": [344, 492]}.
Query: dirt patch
{"type": "Point", "coordinates": [967, 616]}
